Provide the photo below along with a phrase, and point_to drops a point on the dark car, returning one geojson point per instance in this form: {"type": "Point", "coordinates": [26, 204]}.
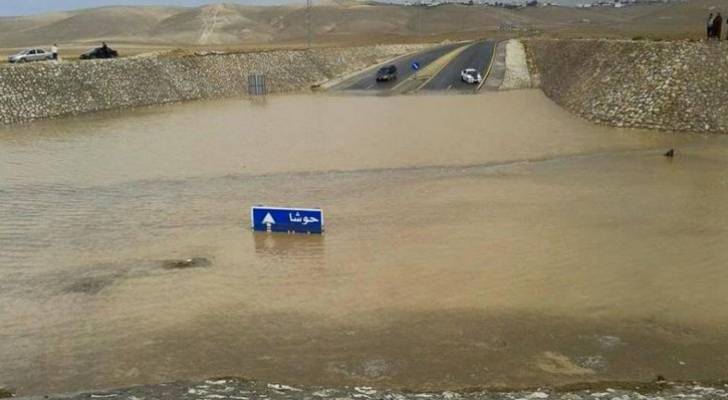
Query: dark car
{"type": "Point", "coordinates": [100, 52]}
{"type": "Point", "coordinates": [387, 73]}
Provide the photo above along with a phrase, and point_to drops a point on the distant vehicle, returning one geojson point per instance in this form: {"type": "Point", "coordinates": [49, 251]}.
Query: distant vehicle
{"type": "Point", "coordinates": [470, 75]}
{"type": "Point", "coordinates": [99, 52]}
{"type": "Point", "coordinates": [31, 55]}
{"type": "Point", "coordinates": [387, 73]}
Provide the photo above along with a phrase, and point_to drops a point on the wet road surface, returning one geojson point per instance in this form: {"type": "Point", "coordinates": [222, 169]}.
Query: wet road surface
{"type": "Point", "coordinates": [367, 80]}
{"type": "Point", "coordinates": [477, 55]}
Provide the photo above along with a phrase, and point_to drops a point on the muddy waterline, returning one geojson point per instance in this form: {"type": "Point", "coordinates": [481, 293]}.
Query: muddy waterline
{"type": "Point", "coordinates": [471, 241]}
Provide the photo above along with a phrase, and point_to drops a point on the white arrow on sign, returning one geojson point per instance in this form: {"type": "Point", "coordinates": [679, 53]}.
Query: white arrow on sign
{"type": "Point", "coordinates": [268, 220]}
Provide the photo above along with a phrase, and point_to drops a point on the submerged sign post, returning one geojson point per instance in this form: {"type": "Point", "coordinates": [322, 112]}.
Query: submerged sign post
{"type": "Point", "coordinates": [415, 67]}
{"type": "Point", "coordinates": [290, 220]}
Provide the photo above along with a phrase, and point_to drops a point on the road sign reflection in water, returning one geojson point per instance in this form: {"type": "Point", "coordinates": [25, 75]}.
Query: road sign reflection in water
{"type": "Point", "coordinates": [291, 220]}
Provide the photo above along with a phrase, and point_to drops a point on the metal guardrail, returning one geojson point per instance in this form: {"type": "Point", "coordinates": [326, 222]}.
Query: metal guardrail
{"type": "Point", "coordinates": [257, 85]}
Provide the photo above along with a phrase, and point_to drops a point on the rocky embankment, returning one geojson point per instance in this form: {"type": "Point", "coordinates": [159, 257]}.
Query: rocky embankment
{"type": "Point", "coordinates": [43, 90]}
{"type": "Point", "coordinates": [235, 389]}
{"type": "Point", "coordinates": [679, 86]}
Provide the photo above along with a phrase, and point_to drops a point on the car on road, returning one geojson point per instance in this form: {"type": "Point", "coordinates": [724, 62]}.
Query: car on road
{"type": "Point", "coordinates": [471, 75]}
{"type": "Point", "coordinates": [387, 73]}
{"type": "Point", "coordinates": [99, 52]}
{"type": "Point", "coordinates": [31, 55]}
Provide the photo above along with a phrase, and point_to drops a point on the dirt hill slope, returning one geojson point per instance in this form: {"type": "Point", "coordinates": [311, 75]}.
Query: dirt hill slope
{"type": "Point", "coordinates": [345, 20]}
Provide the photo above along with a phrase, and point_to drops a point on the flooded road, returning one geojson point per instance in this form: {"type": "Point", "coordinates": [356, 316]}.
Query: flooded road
{"type": "Point", "coordinates": [489, 240]}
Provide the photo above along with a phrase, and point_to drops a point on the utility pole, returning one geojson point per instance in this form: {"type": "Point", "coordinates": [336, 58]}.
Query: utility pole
{"type": "Point", "coordinates": [419, 18]}
{"type": "Point", "coordinates": [309, 32]}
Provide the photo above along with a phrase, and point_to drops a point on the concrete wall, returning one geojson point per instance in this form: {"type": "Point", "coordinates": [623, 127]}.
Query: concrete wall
{"type": "Point", "coordinates": [45, 90]}
{"type": "Point", "coordinates": [680, 86]}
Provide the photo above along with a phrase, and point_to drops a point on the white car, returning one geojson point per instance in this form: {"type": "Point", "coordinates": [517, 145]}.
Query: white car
{"type": "Point", "coordinates": [470, 75]}
{"type": "Point", "coordinates": [31, 55]}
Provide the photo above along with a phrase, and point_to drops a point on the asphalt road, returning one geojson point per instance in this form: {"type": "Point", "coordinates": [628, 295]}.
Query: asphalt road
{"type": "Point", "coordinates": [367, 79]}
{"type": "Point", "coordinates": [477, 55]}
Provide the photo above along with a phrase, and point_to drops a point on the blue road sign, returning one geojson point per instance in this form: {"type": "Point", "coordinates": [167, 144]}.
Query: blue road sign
{"type": "Point", "coordinates": [415, 65]}
{"type": "Point", "coordinates": [279, 219]}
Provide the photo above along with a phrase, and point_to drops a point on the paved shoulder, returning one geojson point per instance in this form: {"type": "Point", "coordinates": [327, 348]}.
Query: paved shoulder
{"type": "Point", "coordinates": [497, 70]}
{"type": "Point", "coordinates": [517, 75]}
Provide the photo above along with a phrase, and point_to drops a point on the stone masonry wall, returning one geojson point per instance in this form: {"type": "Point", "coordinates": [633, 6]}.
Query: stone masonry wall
{"type": "Point", "coordinates": [43, 90]}
{"type": "Point", "coordinates": [679, 86]}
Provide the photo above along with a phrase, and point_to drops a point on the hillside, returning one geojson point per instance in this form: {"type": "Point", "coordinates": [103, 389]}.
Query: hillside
{"type": "Point", "coordinates": [343, 21]}
{"type": "Point", "coordinates": [119, 23]}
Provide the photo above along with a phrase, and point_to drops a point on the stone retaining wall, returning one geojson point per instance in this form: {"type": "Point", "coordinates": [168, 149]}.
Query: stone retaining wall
{"type": "Point", "coordinates": [681, 86]}
{"type": "Point", "coordinates": [43, 90]}
{"type": "Point", "coordinates": [236, 389]}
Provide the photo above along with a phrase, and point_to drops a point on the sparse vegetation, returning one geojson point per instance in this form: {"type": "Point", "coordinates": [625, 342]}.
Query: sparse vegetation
{"type": "Point", "coordinates": [143, 29]}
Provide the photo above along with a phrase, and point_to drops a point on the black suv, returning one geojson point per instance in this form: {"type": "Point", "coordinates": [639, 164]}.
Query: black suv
{"type": "Point", "coordinates": [99, 52]}
{"type": "Point", "coordinates": [387, 73]}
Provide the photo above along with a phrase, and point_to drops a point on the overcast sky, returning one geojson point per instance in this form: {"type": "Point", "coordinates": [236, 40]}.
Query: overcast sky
{"type": "Point", "coordinates": [24, 7]}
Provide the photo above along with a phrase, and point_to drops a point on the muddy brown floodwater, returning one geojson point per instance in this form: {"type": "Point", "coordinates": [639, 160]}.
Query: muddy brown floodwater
{"type": "Point", "coordinates": [487, 240]}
